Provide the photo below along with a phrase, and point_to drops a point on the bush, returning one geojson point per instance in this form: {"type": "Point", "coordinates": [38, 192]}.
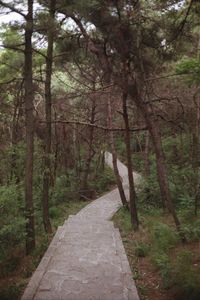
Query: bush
{"type": "Point", "coordinates": [164, 237]}
{"type": "Point", "coordinates": [10, 292]}
{"type": "Point", "coordinates": [54, 212]}
{"type": "Point", "coordinates": [12, 222]}
{"type": "Point", "coordinates": [103, 180]}
{"type": "Point", "coordinates": [162, 262]}
{"type": "Point", "coordinates": [65, 189]}
{"type": "Point", "coordinates": [192, 231]}
{"type": "Point", "coordinates": [186, 277]}
{"type": "Point", "coordinates": [141, 249]}
{"type": "Point", "coordinates": [149, 191]}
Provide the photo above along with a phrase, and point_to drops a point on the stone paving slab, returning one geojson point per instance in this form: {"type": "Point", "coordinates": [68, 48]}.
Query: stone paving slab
{"type": "Point", "coordinates": [86, 259]}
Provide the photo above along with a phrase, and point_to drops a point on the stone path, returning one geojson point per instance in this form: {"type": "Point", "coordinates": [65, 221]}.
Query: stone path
{"type": "Point", "coordinates": [86, 259]}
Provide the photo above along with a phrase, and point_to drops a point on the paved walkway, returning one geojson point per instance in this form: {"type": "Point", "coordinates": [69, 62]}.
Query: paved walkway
{"type": "Point", "coordinates": [86, 259]}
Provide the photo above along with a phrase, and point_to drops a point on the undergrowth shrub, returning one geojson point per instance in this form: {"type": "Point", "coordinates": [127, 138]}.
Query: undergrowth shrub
{"type": "Point", "coordinates": [103, 180]}
{"type": "Point", "coordinates": [162, 261]}
{"type": "Point", "coordinates": [186, 276]}
{"type": "Point", "coordinates": [192, 231]}
{"type": "Point", "coordinates": [54, 212]}
{"type": "Point", "coordinates": [141, 249]}
{"type": "Point", "coordinates": [164, 237]}
{"type": "Point", "coordinates": [149, 193]}
{"type": "Point", "coordinates": [10, 293]}
{"type": "Point", "coordinates": [65, 188]}
{"type": "Point", "coordinates": [12, 222]}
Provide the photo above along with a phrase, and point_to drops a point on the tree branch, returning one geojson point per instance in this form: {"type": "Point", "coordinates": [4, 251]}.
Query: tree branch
{"type": "Point", "coordinates": [12, 8]}
{"type": "Point", "coordinates": [96, 126]}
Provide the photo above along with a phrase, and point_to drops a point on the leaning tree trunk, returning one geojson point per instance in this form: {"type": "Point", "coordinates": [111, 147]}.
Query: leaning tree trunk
{"type": "Point", "coordinates": [29, 118]}
{"type": "Point", "coordinates": [160, 158]}
{"type": "Point", "coordinates": [114, 157]}
{"type": "Point", "coordinates": [47, 156]}
{"type": "Point", "coordinates": [132, 193]}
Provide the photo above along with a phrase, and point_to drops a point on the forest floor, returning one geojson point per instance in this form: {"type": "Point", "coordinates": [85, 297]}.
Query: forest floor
{"type": "Point", "coordinates": [19, 267]}
{"type": "Point", "coordinates": [156, 281]}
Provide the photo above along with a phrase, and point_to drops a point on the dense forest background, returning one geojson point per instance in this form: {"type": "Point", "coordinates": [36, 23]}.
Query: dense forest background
{"type": "Point", "coordinates": [78, 78]}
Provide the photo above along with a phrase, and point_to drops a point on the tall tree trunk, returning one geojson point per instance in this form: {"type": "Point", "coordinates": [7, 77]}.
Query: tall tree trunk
{"type": "Point", "coordinates": [195, 152]}
{"type": "Point", "coordinates": [160, 158]}
{"type": "Point", "coordinates": [29, 118]}
{"type": "Point", "coordinates": [48, 104]}
{"type": "Point", "coordinates": [195, 160]}
{"type": "Point", "coordinates": [132, 193]}
{"type": "Point", "coordinates": [14, 139]}
{"type": "Point", "coordinates": [56, 149]}
{"type": "Point", "coordinates": [146, 154]}
{"type": "Point", "coordinates": [89, 155]}
{"type": "Point", "coordinates": [114, 157]}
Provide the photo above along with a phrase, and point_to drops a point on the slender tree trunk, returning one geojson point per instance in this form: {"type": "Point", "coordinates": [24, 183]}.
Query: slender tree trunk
{"type": "Point", "coordinates": [48, 103]}
{"type": "Point", "coordinates": [55, 150]}
{"type": "Point", "coordinates": [132, 193]}
{"type": "Point", "coordinates": [29, 118]}
{"type": "Point", "coordinates": [89, 152]}
{"type": "Point", "coordinates": [14, 140]}
{"type": "Point", "coordinates": [114, 157]}
{"type": "Point", "coordinates": [160, 158]}
{"type": "Point", "coordinates": [195, 153]}
{"type": "Point", "coordinates": [146, 154]}
{"type": "Point", "coordinates": [195, 156]}
{"type": "Point", "coordinates": [162, 175]}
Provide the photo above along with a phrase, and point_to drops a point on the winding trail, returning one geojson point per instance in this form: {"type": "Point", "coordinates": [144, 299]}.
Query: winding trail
{"type": "Point", "coordinates": [86, 259]}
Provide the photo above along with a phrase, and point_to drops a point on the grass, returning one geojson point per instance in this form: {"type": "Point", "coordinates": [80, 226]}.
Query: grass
{"type": "Point", "coordinates": [19, 268]}
{"type": "Point", "coordinates": [162, 267]}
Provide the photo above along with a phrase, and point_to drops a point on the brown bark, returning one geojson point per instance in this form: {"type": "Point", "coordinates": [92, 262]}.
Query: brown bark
{"type": "Point", "coordinates": [132, 193]}
{"type": "Point", "coordinates": [14, 140]}
{"type": "Point", "coordinates": [48, 104]}
{"type": "Point", "coordinates": [195, 152]}
{"type": "Point", "coordinates": [160, 158]}
{"type": "Point", "coordinates": [89, 150]}
{"type": "Point", "coordinates": [29, 118]}
{"type": "Point", "coordinates": [146, 154]}
{"type": "Point", "coordinates": [55, 150]}
{"type": "Point", "coordinates": [114, 157]}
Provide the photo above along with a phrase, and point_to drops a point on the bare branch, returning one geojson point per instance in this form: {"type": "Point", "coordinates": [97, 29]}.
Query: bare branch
{"type": "Point", "coordinates": [12, 8]}
{"type": "Point", "coordinates": [96, 126]}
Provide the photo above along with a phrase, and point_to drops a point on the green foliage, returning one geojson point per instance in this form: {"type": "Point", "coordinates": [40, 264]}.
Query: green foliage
{"type": "Point", "coordinates": [192, 230]}
{"type": "Point", "coordinates": [54, 212]}
{"type": "Point", "coordinates": [59, 192]}
{"type": "Point", "coordinates": [10, 292]}
{"type": "Point", "coordinates": [120, 147]}
{"type": "Point", "coordinates": [182, 178]}
{"type": "Point", "coordinates": [62, 83]}
{"type": "Point", "coordinates": [186, 276]}
{"type": "Point", "coordinates": [11, 62]}
{"type": "Point", "coordinates": [141, 249]}
{"type": "Point", "coordinates": [12, 222]}
{"type": "Point", "coordinates": [149, 191]}
{"type": "Point", "coordinates": [65, 188]}
{"type": "Point", "coordinates": [123, 220]}
{"type": "Point", "coordinates": [162, 262]}
{"type": "Point", "coordinates": [164, 237]}
{"type": "Point", "coordinates": [190, 67]}
{"type": "Point", "coordinates": [103, 180]}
